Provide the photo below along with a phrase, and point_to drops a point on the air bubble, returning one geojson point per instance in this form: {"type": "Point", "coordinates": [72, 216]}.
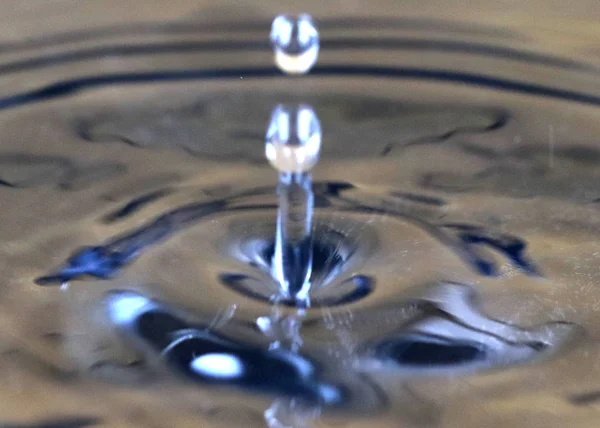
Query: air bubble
{"type": "Point", "coordinates": [295, 42]}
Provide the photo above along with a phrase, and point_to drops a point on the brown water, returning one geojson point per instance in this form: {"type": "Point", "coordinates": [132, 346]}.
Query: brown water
{"type": "Point", "coordinates": [455, 225]}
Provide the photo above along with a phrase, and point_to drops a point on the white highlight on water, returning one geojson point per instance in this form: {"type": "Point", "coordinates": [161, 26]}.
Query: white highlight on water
{"type": "Point", "coordinates": [124, 308]}
{"type": "Point", "coordinates": [221, 366]}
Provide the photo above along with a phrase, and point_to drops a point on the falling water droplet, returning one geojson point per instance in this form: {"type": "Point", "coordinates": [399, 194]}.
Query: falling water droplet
{"type": "Point", "coordinates": [295, 42]}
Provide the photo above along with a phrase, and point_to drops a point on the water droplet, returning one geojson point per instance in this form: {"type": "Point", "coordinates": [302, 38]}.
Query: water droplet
{"type": "Point", "coordinates": [295, 41]}
{"type": "Point", "coordinates": [293, 139]}
{"type": "Point", "coordinates": [265, 325]}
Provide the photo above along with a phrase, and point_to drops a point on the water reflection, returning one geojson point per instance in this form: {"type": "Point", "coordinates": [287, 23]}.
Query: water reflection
{"type": "Point", "coordinates": [202, 356]}
{"type": "Point", "coordinates": [447, 332]}
{"type": "Point", "coordinates": [338, 243]}
{"type": "Point", "coordinates": [448, 173]}
{"type": "Point", "coordinates": [26, 171]}
{"type": "Point", "coordinates": [304, 368]}
{"type": "Point", "coordinates": [198, 354]}
{"type": "Point", "coordinates": [442, 332]}
{"type": "Point", "coordinates": [387, 125]}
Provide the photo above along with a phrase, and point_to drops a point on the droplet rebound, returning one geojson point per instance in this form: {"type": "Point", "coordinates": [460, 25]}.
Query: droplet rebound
{"type": "Point", "coordinates": [293, 142]}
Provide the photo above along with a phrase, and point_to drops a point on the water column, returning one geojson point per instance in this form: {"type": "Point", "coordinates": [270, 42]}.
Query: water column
{"type": "Point", "coordinates": [293, 143]}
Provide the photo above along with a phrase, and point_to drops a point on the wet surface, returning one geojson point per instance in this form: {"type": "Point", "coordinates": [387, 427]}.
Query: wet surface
{"type": "Point", "coordinates": [444, 249]}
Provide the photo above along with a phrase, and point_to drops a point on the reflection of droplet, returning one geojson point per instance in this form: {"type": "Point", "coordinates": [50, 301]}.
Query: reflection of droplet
{"type": "Point", "coordinates": [449, 334]}
{"type": "Point", "coordinates": [295, 42]}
